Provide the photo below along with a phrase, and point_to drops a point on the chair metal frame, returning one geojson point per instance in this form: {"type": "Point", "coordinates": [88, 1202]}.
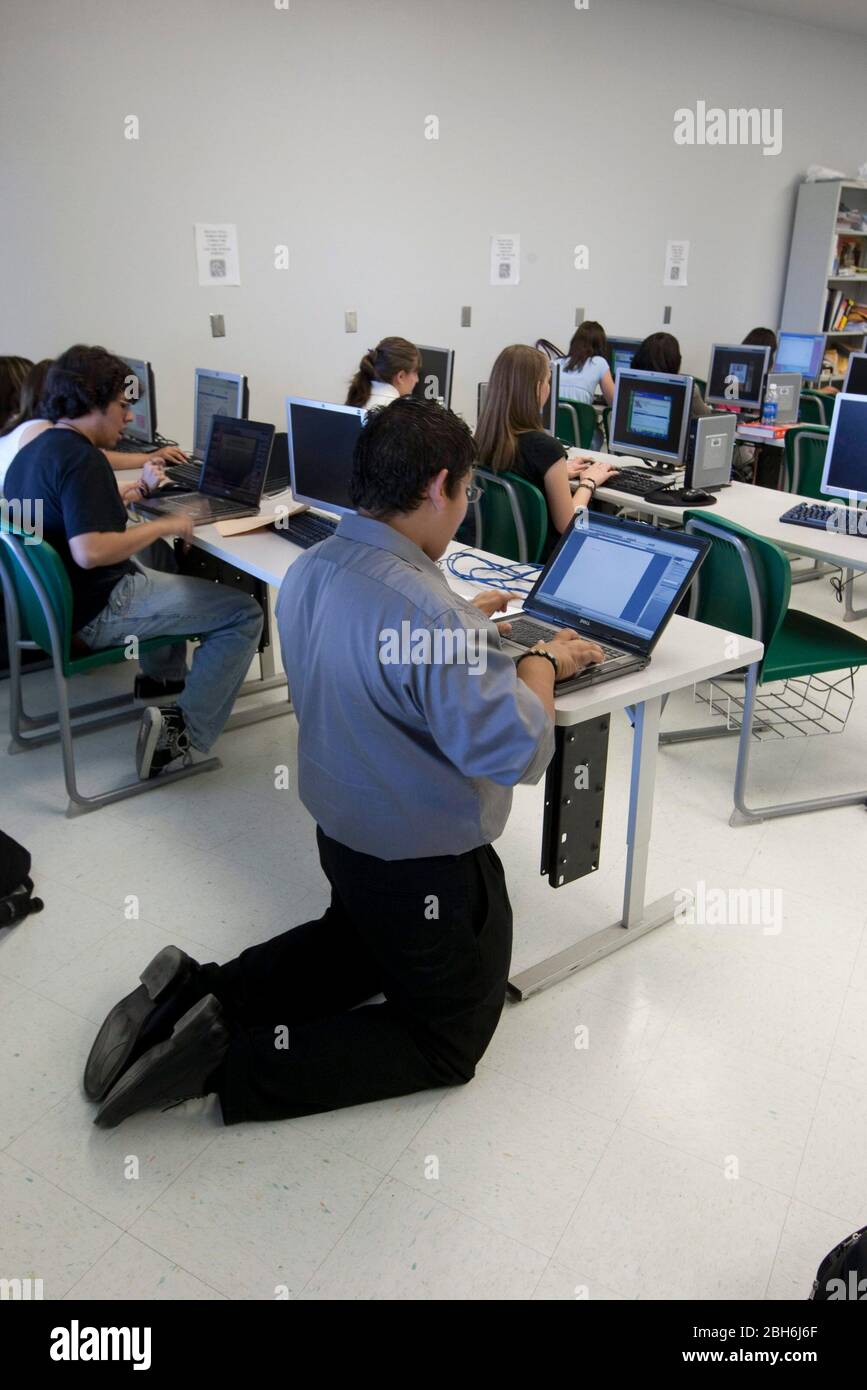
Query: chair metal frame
{"type": "Point", "coordinates": [744, 814]}
{"type": "Point", "coordinates": [515, 507]}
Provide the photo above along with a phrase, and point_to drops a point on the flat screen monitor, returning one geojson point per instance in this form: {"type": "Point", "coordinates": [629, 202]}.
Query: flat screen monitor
{"type": "Point", "coordinates": [800, 352]}
{"type": "Point", "coordinates": [845, 472]}
{"type": "Point", "coordinates": [435, 375]}
{"type": "Point", "coordinates": [621, 352]}
{"type": "Point", "coordinates": [736, 375]}
{"type": "Point", "coordinates": [856, 375]}
{"type": "Point", "coordinates": [650, 416]}
{"type": "Point", "coordinates": [216, 393]}
{"type": "Point", "coordinates": [322, 438]}
{"type": "Point", "coordinates": [142, 402]}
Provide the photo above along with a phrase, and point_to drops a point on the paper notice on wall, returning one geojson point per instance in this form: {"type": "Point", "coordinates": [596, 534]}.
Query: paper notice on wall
{"type": "Point", "coordinates": [505, 260]}
{"type": "Point", "coordinates": [676, 262]}
{"type": "Point", "coordinates": [217, 253]}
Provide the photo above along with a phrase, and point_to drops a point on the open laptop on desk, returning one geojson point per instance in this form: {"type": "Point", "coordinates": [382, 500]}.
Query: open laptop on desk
{"type": "Point", "coordinates": [322, 438]}
{"type": "Point", "coordinates": [232, 479]}
{"type": "Point", "coordinates": [614, 582]}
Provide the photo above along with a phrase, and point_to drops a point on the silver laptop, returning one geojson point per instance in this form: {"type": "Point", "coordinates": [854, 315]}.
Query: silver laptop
{"type": "Point", "coordinates": [615, 583]}
{"type": "Point", "coordinates": [233, 475]}
{"type": "Point", "coordinates": [788, 386]}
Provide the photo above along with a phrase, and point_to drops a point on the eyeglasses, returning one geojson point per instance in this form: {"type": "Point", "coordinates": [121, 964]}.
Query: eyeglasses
{"type": "Point", "coordinates": [473, 492]}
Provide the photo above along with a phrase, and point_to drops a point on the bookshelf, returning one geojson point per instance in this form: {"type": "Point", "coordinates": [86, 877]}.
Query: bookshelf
{"type": "Point", "coordinates": [827, 268]}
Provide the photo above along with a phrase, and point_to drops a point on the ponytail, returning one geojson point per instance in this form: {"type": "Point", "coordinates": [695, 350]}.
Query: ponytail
{"type": "Point", "coordinates": [382, 363]}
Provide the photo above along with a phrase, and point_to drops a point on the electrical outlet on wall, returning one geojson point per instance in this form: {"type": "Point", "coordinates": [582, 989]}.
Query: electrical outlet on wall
{"type": "Point", "coordinates": [218, 326]}
{"type": "Point", "coordinates": [466, 316]}
{"type": "Point", "coordinates": [666, 317]}
{"type": "Point", "coordinates": [350, 321]}
{"type": "Point", "coordinates": [579, 317]}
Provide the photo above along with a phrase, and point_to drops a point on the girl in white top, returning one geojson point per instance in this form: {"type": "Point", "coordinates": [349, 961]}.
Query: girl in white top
{"type": "Point", "coordinates": [585, 366]}
{"type": "Point", "coordinates": [384, 373]}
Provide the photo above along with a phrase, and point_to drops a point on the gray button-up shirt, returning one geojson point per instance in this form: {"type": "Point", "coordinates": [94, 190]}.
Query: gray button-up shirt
{"type": "Point", "coordinates": [413, 725]}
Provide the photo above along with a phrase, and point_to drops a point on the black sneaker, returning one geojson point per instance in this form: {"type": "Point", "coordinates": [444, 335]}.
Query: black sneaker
{"type": "Point", "coordinates": [172, 1071]}
{"type": "Point", "coordinates": [162, 738]}
{"type": "Point", "coordinates": [147, 688]}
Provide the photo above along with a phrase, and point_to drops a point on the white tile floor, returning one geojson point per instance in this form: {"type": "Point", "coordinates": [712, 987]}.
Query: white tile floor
{"type": "Point", "coordinates": [709, 1141]}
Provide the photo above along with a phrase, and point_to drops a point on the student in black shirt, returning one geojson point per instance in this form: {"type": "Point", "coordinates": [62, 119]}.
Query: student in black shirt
{"type": "Point", "coordinates": [114, 597]}
{"type": "Point", "coordinates": [510, 438]}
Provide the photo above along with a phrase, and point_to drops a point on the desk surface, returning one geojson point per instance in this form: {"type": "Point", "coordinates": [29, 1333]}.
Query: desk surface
{"type": "Point", "coordinates": [759, 509]}
{"type": "Point", "coordinates": [686, 652]}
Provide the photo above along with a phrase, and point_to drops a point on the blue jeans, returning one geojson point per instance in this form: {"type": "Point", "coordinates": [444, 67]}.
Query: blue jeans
{"type": "Point", "coordinates": [228, 622]}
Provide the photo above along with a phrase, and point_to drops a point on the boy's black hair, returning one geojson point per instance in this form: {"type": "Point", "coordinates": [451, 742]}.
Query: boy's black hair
{"type": "Point", "coordinates": [401, 448]}
{"type": "Point", "coordinates": [80, 380]}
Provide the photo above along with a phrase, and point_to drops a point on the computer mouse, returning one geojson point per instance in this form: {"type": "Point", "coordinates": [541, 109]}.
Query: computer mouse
{"type": "Point", "coordinates": [698, 499]}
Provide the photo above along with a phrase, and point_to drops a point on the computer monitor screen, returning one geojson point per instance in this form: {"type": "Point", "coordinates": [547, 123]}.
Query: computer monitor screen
{"type": "Point", "coordinates": [435, 375]}
{"type": "Point", "coordinates": [800, 352]}
{"type": "Point", "coordinates": [322, 439]}
{"type": "Point", "coordinates": [845, 472]}
{"type": "Point", "coordinates": [737, 375]}
{"type": "Point", "coordinates": [856, 375]}
{"type": "Point", "coordinates": [622, 579]}
{"type": "Point", "coordinates": [236, 460]}
{"type": "Point", "coordinates": [142, 401]}
{"type": "Point", "coordinates": [549, 409]}
{"type": "Point", "coordinates": [216, 393]}
{"type": "Point", "coordinates": [650, 416]}
{"type": "Point", "coordinates": [621, 352]}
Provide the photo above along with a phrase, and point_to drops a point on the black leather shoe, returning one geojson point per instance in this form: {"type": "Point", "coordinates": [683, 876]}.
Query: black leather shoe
{"type": "Point", "coordinates": [165, 993]}
{"type": "Point", "coordinates": [171, 1071]}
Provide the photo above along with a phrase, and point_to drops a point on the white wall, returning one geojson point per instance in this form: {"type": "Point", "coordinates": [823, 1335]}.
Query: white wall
{"type": "Point", "coordinates": [307, 127]}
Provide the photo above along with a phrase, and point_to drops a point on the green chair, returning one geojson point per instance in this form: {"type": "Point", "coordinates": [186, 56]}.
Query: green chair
{"type": "Point", "coordinates": [744, 587]}
{"type": "Point", "coordinates": [512, 517]}
{"type": "Point", "coordinates": [814, 408]}
{"type": "Point", "coordinates": [605, 424]}
{"type": "Point", "coordinates": [577, 423]}
{"type": "Point", "coordinates": [38, 601]}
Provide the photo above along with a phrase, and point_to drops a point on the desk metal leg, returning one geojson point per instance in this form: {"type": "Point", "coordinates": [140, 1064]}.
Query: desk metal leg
{"type": "Point", "coordinates": [850, 613]}
{"type": "Point", "coordinates": [638, 917]}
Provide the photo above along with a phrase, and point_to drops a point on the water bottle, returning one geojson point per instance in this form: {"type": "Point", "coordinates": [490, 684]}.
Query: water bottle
{"type": "Point", "coordinates": [769, 411]}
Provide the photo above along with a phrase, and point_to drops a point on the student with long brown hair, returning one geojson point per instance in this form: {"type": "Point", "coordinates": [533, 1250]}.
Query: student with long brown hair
{"type": "Point", "coordinates": [510, 438]}
{"type": "Point", "coordinates": [385, 373]}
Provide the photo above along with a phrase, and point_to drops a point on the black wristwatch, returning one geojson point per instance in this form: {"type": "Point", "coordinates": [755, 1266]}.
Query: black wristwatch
{"type": "Point", "coordinates": [549, 656]}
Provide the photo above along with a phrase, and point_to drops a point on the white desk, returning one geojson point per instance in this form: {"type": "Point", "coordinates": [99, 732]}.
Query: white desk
{"type": "Point", "coordinates": [759, 509]}
{"type": "Point", "coordinates": [687, 652]}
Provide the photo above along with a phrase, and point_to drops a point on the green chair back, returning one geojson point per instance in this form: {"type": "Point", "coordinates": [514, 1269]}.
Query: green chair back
{"type": "Point", "coordinates": [811, 410]}
{"type": "Point", "coordinates": [726, 597]}
{"type": "Point", "coordinates": [806, 446]}
{"type": "Point", "coordinates": [588, 423]}
{"type": "Point", "coordinates": [502, 495]}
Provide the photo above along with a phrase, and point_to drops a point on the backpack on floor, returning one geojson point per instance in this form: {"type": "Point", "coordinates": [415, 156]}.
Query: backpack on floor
{"type": "Point", "coordinates": [843, 1272]}
{"type": "Point", "coordinates": [16, 886]}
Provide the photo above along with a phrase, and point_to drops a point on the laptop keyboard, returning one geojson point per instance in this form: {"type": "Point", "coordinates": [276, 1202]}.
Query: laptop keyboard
{"type": "Point", "coordinates": [185, 473]}
{"type": "Point", "coordinates": [526, 632]}
{"type": "Point", "coordinates": [198, 504]}
{"type": "Point", "coordinates": [305, 530]}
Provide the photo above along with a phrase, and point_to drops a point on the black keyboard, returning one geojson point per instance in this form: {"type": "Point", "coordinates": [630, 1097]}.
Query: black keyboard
{"type": "Point", "coordinates": [185, 473]}
{"type": "Point", "coordinates": [527, 632]}
{"type": "Point", "coordinates": [305, 530]}
{"type": "Point", "coordinates": [636, 482]}
{"type": "Point", "coordinates": [824, 517]}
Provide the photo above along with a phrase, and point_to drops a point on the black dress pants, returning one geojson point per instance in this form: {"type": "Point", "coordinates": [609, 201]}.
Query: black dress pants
{"type": "Point", "coordinates": [433, 935]}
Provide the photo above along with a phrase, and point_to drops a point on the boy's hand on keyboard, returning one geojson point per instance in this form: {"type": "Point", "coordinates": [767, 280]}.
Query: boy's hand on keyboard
{"type": "Point", "coordinates": [169, 454]}
{"type": "Point", "coordinates": [152, 475]}
{"type": "Point", "coordinates": [573, 653]}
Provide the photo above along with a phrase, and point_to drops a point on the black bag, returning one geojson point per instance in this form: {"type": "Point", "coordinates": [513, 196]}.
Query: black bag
{"type": "Point", "coordinates": [843, 1272]}
{"type": "Point", "coordinates": [16, 886]}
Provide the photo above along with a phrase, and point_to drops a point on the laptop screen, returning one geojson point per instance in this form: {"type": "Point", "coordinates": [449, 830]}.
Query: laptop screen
{"type": "Point", "coordinates": [616, 580]}
{"type": "Point", "coordinates": [217, 393]}
{"type": "Point", "coordinates": [237, 459]}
